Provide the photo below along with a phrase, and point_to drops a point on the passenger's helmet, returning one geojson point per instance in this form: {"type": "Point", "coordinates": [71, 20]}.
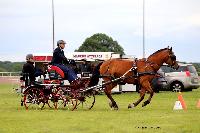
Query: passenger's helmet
{"type": "Point", "coordinates": [29, 56]}
{"type": "Point", "coordinates": [60, 41]}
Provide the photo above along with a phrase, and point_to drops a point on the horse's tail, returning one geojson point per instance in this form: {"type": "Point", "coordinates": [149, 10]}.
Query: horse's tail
{"type": "Point", "coordinates": [95, 75]}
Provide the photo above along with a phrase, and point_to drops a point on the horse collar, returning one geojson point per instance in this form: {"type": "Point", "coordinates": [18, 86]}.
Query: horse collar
{"type": "Point", "coordinates": [150, 64]}
{"type": "Point", "coordinates": [153, 65]}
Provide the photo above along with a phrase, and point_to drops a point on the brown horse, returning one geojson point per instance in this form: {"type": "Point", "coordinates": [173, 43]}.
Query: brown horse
{"type": "Point", "coordinates": [133, 72]}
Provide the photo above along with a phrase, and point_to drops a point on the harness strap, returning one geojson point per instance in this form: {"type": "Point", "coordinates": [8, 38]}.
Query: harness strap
{"type": "Point", "coordinates": [138, 74]}
{"type": "Point", "coordinates": [146, 73]}
{"type": "Point", "coordinates": [134, 68]}
{"type": "Point", "coordinates": [107, 75]}
{"type": "Point", "coordinates": [151, 64]}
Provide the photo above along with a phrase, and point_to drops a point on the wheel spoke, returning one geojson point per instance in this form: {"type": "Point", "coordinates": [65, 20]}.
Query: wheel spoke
{"type": "Point", "coordinates": [33, 98]}
{"type": "Point", "coordinates": [87, 100]}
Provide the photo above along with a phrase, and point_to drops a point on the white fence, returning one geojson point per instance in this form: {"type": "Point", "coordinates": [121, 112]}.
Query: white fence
{"type": "Point", "coordinates": [10, 74]}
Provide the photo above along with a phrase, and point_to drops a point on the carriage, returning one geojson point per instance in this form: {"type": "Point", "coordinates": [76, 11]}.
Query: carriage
{"type": "Point", "coordinates": [54, 93]}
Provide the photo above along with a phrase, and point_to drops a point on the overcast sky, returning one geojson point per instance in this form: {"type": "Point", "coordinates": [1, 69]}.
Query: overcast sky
{"type": "Point", "coordinates": [26, 25]}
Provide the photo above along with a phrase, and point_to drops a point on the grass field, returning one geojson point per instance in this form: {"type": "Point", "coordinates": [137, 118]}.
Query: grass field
{"type": "Point", "coordinates": [159, 116]}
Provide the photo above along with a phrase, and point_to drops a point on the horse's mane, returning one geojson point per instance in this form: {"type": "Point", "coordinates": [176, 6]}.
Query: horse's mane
{"type": "Point", "coordinates": [157, 52]}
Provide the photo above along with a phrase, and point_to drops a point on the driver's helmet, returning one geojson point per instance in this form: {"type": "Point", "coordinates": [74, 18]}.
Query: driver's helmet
{"type": "Point", "coordinates": [60, 41]}
{"type": "Point", "coordinates": [29, 56]}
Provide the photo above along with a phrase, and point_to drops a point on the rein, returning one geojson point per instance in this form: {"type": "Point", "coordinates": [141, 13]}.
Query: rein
{"type": "Point", "coordinates": [147, 64]}
{"type": "Point", "coordinates": [108, 68]}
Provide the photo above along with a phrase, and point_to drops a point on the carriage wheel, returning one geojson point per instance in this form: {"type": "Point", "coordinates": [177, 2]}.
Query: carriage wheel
{"type": "Point", "coordinates": [34, 98]}
{"type": "Point", "coordinates": [58, 98]}
{"type": "Point", "coordinates": [55, 97]}
{"type": "Point", "coordinates": [71, 100]}
{"type": "Point", "coordinates": [87, 99]}
{"type": "Point", "coordinates": [56, 102]}
{"type": "Point", "coordinates": [51, 101]}
{"type": "Point", "coordinates": [48, 96]}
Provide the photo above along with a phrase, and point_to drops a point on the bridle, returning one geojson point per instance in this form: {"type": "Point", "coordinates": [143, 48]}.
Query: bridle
{"type": "Point", "coordinates": [173, 59]}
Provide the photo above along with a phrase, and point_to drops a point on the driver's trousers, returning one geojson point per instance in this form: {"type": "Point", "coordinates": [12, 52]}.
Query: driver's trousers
{"type": "Point", "coordinates": [70, 75]}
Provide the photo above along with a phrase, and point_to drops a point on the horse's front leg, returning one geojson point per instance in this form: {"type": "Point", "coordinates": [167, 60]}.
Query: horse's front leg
{"type": "Point", "coordinates": [151, 92]}
{"type": "Point", "coordinates": [112, 103]}
{"type": "Point", "coordinates": [142, 94]}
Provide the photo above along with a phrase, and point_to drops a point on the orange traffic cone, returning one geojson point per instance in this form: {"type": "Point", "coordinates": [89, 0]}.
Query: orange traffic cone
{"type": "Point", "coordinates": [180, 98]}
{"type": "Point", "coordinates": [198, 103]}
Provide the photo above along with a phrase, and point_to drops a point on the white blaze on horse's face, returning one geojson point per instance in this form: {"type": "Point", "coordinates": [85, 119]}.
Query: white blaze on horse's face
{"type": "Point", "coordinates": [171, 61]}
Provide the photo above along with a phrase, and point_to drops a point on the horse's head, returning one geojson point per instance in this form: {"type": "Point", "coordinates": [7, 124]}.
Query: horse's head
{"type": "Point", "coordinates": [171, 59]}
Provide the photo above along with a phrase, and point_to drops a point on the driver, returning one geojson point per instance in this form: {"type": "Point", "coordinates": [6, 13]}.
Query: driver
{"type": "Point", "coordinates": [59, 60]}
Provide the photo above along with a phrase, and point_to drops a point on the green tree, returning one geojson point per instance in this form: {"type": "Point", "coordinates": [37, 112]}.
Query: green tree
{"type": "Point", "coordinates": [197, 66]}
{"type": "Point", "coordinates": [100, 43]}
{"type": "Point", "coordinates": [2, 70]}
{"type": "Point", "coordinates": [17, 66]}
{"type": "Point", "coordinates": [7, 66]}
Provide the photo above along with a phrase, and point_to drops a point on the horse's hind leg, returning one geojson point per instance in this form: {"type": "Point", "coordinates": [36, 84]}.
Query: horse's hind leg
{"type": "Point", "coordinates": [148, 100]}
{"type": "Point", "coordinates": [113, 104]}
{"type": "Point", "coordinates": [142, 94]}
{"type": "Point", "coordinates": [150, 90]}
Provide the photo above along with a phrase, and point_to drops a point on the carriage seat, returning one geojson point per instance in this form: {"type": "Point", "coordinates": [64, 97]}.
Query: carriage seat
{"type": "Point", "coordinates": [55, 72]}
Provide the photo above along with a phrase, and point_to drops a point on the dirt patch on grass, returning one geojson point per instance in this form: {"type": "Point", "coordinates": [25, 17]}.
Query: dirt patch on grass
{"type": "Point", "coordinates": [9, 79]}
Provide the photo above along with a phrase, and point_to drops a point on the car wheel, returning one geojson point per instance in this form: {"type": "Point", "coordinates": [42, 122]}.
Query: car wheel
{"type": "Point", "coordinates": [156, 90]}
{"type": "Point", "coordinates": [176, 87]}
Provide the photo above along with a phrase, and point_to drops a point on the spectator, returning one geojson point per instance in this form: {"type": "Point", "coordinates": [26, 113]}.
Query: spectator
{"type": "Point", "coordinates": [85, 67]}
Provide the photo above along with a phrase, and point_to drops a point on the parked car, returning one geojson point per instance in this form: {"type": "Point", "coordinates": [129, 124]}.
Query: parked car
{"type": "Point", "coordinates": [159, 82]}
{"type": "Point", "coordinates": [184, 79]}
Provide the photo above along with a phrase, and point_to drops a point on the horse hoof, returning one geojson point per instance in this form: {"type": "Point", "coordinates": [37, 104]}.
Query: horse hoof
{"type": "Point", "coordinates": [113, 105]}
{"type": "Point", "coordinates": [131, 106]}
{"type": "Point", "coordinates": [110, 104]}
{"type": "Point", "coordinates": [145, 103]}
{"type": "Point", "coordinates": [116, 108]}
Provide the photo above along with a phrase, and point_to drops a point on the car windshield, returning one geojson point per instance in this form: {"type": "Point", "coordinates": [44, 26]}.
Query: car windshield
{"type": "Point", "coordinates": [191, 69]}
{"type": "Point", "coordinates": [167, 69]}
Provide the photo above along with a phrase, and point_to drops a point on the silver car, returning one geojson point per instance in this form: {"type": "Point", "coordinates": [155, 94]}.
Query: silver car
{"type": "Point", "coordinates": [185, 78]}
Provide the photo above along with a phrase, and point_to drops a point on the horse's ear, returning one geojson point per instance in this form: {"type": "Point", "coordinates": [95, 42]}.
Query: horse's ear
{"type": "Point", "coordinates": [170, 49]}
{"type": "Point", "coordinates": [167, 47]}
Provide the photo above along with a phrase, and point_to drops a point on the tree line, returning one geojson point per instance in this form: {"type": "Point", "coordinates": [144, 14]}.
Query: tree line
{"type": "Point", "coordinates": [8, 66]}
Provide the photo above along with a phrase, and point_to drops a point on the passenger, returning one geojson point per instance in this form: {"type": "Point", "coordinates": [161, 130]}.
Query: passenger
{"type": "Point", "coordinates": [85, 67]}
{"type": "Point", "coordinates": [73, 65]}
{"type": "Point", "coordinates": [60, 61]}
{"type": "Point", "coordinates": [29, 71]}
